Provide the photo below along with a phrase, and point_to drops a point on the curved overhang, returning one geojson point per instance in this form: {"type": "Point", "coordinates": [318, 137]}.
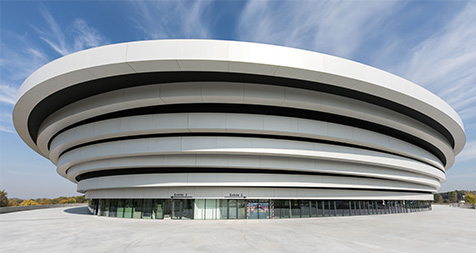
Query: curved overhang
{"type": "Point", "coordinates": [228, 57]}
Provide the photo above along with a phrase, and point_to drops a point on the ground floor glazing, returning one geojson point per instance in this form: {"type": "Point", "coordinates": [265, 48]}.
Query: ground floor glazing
{"type": "Point", "coordinates": [212, 209]}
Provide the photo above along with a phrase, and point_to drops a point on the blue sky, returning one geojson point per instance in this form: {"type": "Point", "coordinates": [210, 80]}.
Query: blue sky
{"type": "Point", "coordinates": [431, 43]}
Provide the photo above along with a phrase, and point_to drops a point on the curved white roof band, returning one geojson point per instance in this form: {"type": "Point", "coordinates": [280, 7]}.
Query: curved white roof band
{"type": "Point", "coordinates": [249, 55]}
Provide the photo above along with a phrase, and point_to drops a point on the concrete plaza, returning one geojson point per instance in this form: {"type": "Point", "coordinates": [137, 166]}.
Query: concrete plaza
{"type": "Point", "coordinates": [445, 229]}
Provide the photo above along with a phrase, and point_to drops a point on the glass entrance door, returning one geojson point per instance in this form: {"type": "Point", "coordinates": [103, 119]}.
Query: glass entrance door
{"type": "Point", "coordinates": [258, 210]}
{"type": "Point", "coordinates": [182, 208]}
{"type": "Point", "coordinates": [232, 209]}
{"type": "Point", "coordinates": [167, 208]}
{"type": "Point", "coordinates": [177, 209]}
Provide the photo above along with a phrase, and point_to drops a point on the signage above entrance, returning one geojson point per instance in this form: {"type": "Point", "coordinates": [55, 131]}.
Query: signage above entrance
{"type": "Point", "coordinates": [181, 196]}
{"type": "Point", "coordinates": [236, 195]}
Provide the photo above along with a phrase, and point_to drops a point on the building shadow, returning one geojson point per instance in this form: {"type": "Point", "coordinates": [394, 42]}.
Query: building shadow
{"type": "Point", "coordinates": [82, 210]}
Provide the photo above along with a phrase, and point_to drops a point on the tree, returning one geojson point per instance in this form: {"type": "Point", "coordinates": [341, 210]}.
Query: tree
{"type": "Point", "coordinates": [68, 201]}
{"type": "Point", "coordinates": [470, 198]}
{"type": "Point", "coordinates": [440, 200]}
{"type": "Point", "coordinates": [453, 197]}
{"type": "Point", "coordinates": [45, 202]}
{"type": "Point", "coordinates": [436, 198]}
{"type": "Point", "coordinates": [28, 203]}
{"type": "Point", "coordinates": [80, 199]}
{"type": "Point", "coordinates": [14, 202]}
{"type": "Point", "coordinates": [3, 198]}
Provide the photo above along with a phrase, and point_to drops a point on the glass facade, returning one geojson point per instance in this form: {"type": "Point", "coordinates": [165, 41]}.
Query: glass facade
{"type": "Point", "coordinates": [213, 209]}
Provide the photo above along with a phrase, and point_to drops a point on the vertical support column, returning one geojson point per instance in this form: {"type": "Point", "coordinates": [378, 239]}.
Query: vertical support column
{"type": "Point", "coordinates": [301, 205]}
{"type": "Point", "coordinates": [173, 209]}
{"type": "Point", "coordinates": [227, 209]}
{"type": "Point", "coordinates": [181, 208]}
{"type": "Point", "coordinates": [290, 212]}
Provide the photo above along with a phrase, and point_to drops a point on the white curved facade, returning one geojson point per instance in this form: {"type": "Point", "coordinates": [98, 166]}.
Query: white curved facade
{"type": "Point", "coordinates": [212, 119]}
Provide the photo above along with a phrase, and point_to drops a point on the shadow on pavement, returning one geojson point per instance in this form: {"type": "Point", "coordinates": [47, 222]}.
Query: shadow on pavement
{"type": "Point", "coordinates": [82, 210]}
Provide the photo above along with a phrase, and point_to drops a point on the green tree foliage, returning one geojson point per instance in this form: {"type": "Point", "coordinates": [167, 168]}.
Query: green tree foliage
{"type": "Point", "coordinates": [3, 198]}
{"type": "Point", "coordinates": [81, 199]}
{"type": "Point", "coordinates": [440, 200]}
{"type": "Point", "coordinates": [470, 198]}
{"type": "Point", "coordinates": [453, 197]}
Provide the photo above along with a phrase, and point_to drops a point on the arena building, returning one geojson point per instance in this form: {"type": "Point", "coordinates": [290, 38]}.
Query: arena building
{"type": "Point", "coordinates": [205, 129]}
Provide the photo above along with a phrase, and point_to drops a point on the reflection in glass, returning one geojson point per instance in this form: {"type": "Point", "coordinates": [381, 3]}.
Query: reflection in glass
{"type": "Point", "coordinates": [314, 208]}
{"type": "Point", "coordinates": [211, 209]}
{"type": "Point", "coordinates": [137, 211]}
{"type": "Point", "coordinates": [177, 209]}
{"type": "Point", "coordinates": [147, 209]}
{"type": "Point", "coordinates": [241, 208]}
{"type": "Point", "coordinates": [128, 208]}
{"type": "Point", "coordinates": [252, 210]}
{"type": "Point", "coordinates": [157, 212]}
{"type": "Point", "coordinates": [120, 208]}
{"type": "Point", "coordinates": [187, 208]}
{"type": "Point", "coordinates": [232, 209]}
{"type": "Point", "coordinates": [264, 209]}
{"type": "Point", "coordinates": [107, 202]}
{"type": "Point", "coordinates": [305, 209]}
{"type": "Point", "coordinates": [199, 209]}
{"type": "Point", "coordinates": [281, 209]}
{"type": "Point", "coordinates": [295, 209]}
{"type": "Point", "coordinates": [248, 208]}
{"type": "Point", "coordinates": [223, 209]}
{"type": "Point", "coordinates": [113, 208]}
{"type": "Point", "coordinates": [101, 207]}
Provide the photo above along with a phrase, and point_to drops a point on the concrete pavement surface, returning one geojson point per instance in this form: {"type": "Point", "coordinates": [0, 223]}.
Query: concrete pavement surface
{"type": "Point", "coordinates": [445, 229]}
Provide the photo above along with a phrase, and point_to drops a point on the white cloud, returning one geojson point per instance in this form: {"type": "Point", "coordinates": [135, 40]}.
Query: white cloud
{"type": "Point", "coordinates": [85, 36]}
{"type": "Point", "coordinates": [54, 36]}
{"type": "Point", "coordinates": [446, 63]}
{"type": "Point", "coordinates": [468, 153]}
{"type": "Point", "coordinates": [6, 124]}
{"type": "Point", "coordinates": [18, 60]}
{"type": "Point", "coordinates": [7, 94]}
{"type": "Point", "coordinates": [76, 37]}
{"type": "Point", "coordinates": [172, 19]}
{"type": "Point", "coordinates": [6, 129]}
{"type": "Point", "coordinates": [23, 55]}
{"type": "Point", "coordinates": [334, 27]}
